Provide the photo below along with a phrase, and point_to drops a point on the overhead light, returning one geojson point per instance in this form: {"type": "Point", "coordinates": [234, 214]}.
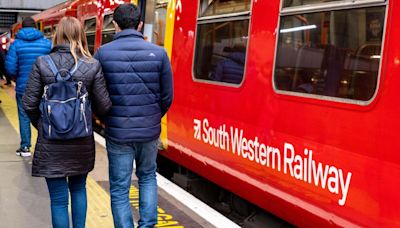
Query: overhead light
{"type": "Point", "coordinates": [300, 28]}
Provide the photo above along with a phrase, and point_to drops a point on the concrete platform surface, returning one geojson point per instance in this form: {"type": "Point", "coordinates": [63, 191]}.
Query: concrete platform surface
{"type": "Point", "coordinates": [24, 200]}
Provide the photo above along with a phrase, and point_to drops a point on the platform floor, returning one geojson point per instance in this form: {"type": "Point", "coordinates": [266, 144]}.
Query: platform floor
{"type": "Point", "coordinates": [24, 200]}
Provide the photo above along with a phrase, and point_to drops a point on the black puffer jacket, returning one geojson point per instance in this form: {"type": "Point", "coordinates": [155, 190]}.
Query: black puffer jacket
{"type": "Point", "coordinates": [67, 157]}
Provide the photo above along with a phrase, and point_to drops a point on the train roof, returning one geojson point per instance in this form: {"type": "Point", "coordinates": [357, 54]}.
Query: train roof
{"type": "Point", "coordinates": [57, 11]}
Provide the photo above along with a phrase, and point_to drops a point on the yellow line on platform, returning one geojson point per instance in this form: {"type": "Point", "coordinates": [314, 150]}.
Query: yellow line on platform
{"type": "Point", "coordinates": [99, 207]}
{"type": "Point", "coordinates": [9, 107]}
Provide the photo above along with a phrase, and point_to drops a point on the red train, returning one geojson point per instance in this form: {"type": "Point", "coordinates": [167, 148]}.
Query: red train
{"type": "Point", "coordinates": [289, 104]}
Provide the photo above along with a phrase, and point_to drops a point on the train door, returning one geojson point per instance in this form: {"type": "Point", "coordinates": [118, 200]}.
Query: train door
{"type": "Point", "coordinates": [155, 14]}
{"type": "Point", "coordinates": [154, 17]}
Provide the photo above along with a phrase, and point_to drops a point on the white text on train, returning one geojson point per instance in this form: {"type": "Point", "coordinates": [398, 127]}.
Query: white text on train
{"type": "Point", "coordinates": [300, 166]}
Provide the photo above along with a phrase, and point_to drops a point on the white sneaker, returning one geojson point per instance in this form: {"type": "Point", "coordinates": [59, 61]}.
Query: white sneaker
{"type": "Point", "coordinates": [23, 152]}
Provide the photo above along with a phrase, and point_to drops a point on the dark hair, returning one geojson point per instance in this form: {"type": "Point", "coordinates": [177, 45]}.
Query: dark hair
{"type": "Point", "coordinates": [28, 22]}
{"type": "Point", "coordinates": [127, 16]}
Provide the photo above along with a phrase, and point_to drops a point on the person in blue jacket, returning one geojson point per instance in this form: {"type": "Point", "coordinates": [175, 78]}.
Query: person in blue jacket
{"type": "Point", "coordinates": [22, 54]}
{"type": "Point", "coordinates": [139, 80]}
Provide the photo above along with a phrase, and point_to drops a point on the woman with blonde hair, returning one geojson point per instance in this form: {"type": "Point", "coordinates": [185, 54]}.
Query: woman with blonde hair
{"type": "Point", "coordinates": [65, 163]}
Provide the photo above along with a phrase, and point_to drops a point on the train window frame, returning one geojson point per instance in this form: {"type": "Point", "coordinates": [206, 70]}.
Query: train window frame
{"type": "Point", "coordinates": [245, 15]}
{"type": "Point", "coordinates": [358, 4]}
{"type": "Point", "coordinates": [91, 33]}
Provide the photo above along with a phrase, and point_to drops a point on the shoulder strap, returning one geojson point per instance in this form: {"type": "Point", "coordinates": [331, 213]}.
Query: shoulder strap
{"type": "Point", "coordinates": [76, 67]}
{"type": "Point", "coordinates": [51, 64]}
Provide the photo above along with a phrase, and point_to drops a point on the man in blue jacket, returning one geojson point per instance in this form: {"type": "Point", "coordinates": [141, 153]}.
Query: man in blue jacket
{"type": "Point", "coordinates": [139, 81]}
{"type": "Point", "coordinates": [28, 45]}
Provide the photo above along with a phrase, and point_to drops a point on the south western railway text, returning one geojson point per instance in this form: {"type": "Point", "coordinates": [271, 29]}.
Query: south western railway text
{"type": "Point", "coordinates": [300, 166]}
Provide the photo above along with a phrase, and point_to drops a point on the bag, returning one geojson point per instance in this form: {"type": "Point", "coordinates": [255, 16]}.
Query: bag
{"type": "Point", "coordinates": [65, 107]}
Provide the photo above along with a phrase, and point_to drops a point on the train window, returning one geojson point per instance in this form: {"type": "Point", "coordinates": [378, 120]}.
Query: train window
{"type": "Point", "coordinates": [291, 3]}
{"type": "Point", "coordinates": [219, 7]}
{"type": "Point", "coordinates": [331, 53]}
{"type": "Point", "coordinates": [221, 43]}
{"type": "Point", "coordinates": [47, 31]}
{"type": "Point", "coordinates": [90, 30]}
{"type": "Point", "coordinates": [108, 30]}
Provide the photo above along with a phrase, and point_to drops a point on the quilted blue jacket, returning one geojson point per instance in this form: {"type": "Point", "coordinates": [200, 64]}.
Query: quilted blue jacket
{"type": "Point", "coordinates": [139, 80]}
{"type": "Point", "coordinates": [22, 54]}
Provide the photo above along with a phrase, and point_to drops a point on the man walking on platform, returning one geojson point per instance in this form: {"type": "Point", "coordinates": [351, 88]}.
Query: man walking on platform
{"type": "Point", "coordinates": [22, 54]}
{"type": "Point", "coordinates": [139, 80]}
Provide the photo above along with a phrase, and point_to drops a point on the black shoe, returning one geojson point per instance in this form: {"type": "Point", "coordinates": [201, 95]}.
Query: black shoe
{"type": "Point", "coordinates": [24, 152]}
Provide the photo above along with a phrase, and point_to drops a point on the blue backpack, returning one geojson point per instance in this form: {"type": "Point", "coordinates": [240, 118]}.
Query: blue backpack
{"type": "Point", "coordinates": [65, 106]}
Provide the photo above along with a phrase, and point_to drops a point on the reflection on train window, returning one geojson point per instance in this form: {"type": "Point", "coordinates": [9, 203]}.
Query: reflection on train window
{"type": "Point", "coordinates": [221, 44]}
{"type": "Point", "coordinates": [90, 30]}
{"type": "Point", "coordinates": [108, 30]}
{"type": "Point", "coordinates": [219, 7]}
{"type": "Point", "coordinates": [334, 53]}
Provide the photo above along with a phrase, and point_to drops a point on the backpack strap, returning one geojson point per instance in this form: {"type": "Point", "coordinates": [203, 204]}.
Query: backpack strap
{"type": "Point", "coordinates": [76, 67]}
{"type": "Point", "coordinates": [56, 72]}
{"type": "Point", "coordinates": [53, 67]}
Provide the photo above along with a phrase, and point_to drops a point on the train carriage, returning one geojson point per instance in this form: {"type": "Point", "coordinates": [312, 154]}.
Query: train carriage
{"type": "Point", "coordinates": [289, 104]}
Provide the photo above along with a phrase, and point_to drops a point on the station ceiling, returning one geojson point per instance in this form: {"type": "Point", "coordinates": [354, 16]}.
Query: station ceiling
{"type": "Point", "coordinates": [7, 5]}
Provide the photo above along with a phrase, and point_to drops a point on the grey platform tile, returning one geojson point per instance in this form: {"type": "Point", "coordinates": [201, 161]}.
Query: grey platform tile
{"type": "Point", "coordinates": [7, 153]}
{"type": "Point", "coordinates": [24, 200]}
{"type": "Point", "coordinates": [8, 135]}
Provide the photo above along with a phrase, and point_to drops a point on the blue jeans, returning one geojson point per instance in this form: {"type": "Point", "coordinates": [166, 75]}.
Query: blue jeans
{"type": "Point", "coordinates": [24, 123]}
{"type": "Point", "coordinates": [58, 189]}
{"type": "Point", "coordinates": [120, 158]}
